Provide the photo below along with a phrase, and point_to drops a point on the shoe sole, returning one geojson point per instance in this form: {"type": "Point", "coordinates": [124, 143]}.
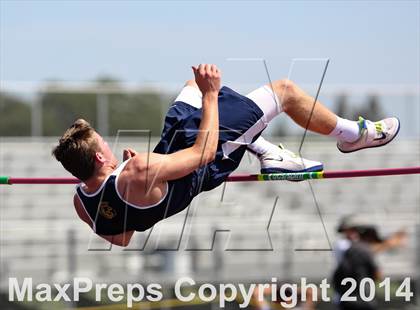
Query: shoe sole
{"type": "Point", "coordinates": [371, 147]}
{"type": "Point", "coordinates": [273, 170]}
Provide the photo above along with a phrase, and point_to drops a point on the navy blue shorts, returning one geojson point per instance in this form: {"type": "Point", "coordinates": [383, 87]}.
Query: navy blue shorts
{"type": "Point", "coordinates": [240, 123]}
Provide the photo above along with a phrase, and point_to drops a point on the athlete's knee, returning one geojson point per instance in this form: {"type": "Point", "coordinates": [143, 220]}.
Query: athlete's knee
{"type": "Point", "coordinates": [287, 92]}
{"type": "Point", "coordinates": [191, 83]}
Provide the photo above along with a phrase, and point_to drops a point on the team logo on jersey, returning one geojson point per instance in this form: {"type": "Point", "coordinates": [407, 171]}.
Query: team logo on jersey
{"type": "Point", "coordinates": [107, 211]}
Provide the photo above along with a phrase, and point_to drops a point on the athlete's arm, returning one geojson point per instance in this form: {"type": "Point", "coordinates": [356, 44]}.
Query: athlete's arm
{"type": "Point", "coordinates": [120, 239]}
{"type": "Point", "coordinates": [396, 240]}
{"type": "Point", "coordinates": [179, 164]}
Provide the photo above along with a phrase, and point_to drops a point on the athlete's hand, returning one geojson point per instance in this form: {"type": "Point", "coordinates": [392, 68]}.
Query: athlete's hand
{"type": "Point", "coordinates": [398, 239]}
{"type": "Point", "coordinates": [207, 78]}
{"type": "Point", "coordinates": [128, 153]}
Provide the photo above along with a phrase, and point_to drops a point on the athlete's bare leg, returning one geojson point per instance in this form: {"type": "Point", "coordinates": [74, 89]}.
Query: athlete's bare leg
{"type": "Point", "coordinates": [299, 105]}
{"type": "Point", "coordinates": [302, 108]}
{"type": "Point", "coordinates": [351, 135]}
{"type": "Point", "coordinates": [191, 83]}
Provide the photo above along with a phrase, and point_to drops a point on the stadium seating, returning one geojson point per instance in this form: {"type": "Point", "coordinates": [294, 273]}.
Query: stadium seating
{"type": "Point", "coordinates": [38, 222]}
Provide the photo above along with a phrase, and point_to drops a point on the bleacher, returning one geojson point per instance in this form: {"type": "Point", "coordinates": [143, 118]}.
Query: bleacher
{"type": "Point", "coordinates": [42, 238]}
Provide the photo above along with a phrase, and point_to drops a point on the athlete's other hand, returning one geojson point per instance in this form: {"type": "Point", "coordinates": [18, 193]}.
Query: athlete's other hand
{"type": "Point", "coordinates": [207, 78]}
{"type": "Point", "coordinates": [128, 153]}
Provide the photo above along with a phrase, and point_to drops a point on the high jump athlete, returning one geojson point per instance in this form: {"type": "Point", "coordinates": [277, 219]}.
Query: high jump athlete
{"type": "Point", "coordinates": [206, 133]}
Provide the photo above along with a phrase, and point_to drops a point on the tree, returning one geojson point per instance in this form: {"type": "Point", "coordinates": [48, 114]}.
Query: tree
{"type": "Point", "coordinates": [139, 111]}
{"type": "Point", "coordinates": [60, 110]}
{"type": "Point", "coordinates": [15, 116]}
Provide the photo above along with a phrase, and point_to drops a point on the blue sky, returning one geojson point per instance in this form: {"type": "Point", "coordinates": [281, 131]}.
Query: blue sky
{"type": "Point", "coordinates": [374, 42]}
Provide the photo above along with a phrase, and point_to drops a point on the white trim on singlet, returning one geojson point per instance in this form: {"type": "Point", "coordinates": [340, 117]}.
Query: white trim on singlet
{"type": "Point", "coordinates": [97, 191]}
{"type": "Point", "coordinates": [115, 172]}
{"type": "Point", "coordinates": [87, 213]}
{"type": "Point", "coordinates": [136, 206]}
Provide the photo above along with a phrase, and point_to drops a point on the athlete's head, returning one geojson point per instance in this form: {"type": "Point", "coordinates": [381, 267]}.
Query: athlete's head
{"type": "Point", "coordinates": [82, 151]}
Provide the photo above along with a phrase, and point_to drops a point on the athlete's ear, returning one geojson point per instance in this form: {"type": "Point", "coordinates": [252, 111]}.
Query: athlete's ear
{"type": "Point", "coordinates": [99, 157]}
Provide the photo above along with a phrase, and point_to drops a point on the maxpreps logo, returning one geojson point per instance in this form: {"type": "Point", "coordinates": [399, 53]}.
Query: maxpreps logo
{"type": "Point", "coordinates": [107, 211]}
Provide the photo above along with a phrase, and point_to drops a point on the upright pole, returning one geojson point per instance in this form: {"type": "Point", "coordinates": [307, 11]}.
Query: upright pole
{"type": "Point", "coordinates": [71, 262]}
{"type": "Point", "coordinates": [36, 116]}
{"type": "Point", "coordinates": [417, 266]}
{"type": "Point", "coordinates": [102, 110]}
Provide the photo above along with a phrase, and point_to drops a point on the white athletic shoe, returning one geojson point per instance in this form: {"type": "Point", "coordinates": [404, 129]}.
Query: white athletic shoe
{"type": "Point", "coordinates": [372, 134]}
{"type": "Point", "coordinates": [282, 160]}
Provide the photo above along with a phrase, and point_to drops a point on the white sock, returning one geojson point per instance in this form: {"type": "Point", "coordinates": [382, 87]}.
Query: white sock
{"type": "Point", "coordinates": [346, 130]}
{"type": "Point", "coordinates": [262, 146]}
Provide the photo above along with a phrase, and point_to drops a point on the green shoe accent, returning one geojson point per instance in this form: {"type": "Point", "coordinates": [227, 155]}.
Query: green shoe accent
{"type": "Point", "coordinates": [378, 126]}
{"type": "Point", "coordinates": [362, 124]}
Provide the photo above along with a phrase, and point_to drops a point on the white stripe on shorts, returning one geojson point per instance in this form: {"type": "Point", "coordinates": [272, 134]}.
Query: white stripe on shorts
{"type": "Point", "coordinates": [268, 102]}
{"type": "Point", "coordinates": [245, 139]}
{"type": "Point", "coordinates": [191, 95]}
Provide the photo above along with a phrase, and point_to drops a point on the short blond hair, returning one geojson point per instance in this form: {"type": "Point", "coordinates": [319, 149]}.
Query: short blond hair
{"type": "Point", "coordinates": [76, 150]}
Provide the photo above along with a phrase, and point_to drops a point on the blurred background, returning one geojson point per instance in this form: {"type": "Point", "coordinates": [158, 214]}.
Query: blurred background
{"type": "Point", "coordinates": [120, 64]}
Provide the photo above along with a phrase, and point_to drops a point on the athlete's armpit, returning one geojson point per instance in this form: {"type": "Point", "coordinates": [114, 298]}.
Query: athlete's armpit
{"type": "Point", "coordinates": [81, 212]}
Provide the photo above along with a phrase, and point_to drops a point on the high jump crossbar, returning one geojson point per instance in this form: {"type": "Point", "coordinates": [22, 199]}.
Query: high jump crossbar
{"type": "Point", "coordinates": [295, 176]}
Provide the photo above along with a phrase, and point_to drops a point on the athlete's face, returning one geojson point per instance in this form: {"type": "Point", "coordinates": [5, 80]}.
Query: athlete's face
{"type": "Point", "coordinates": [105, 154]}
